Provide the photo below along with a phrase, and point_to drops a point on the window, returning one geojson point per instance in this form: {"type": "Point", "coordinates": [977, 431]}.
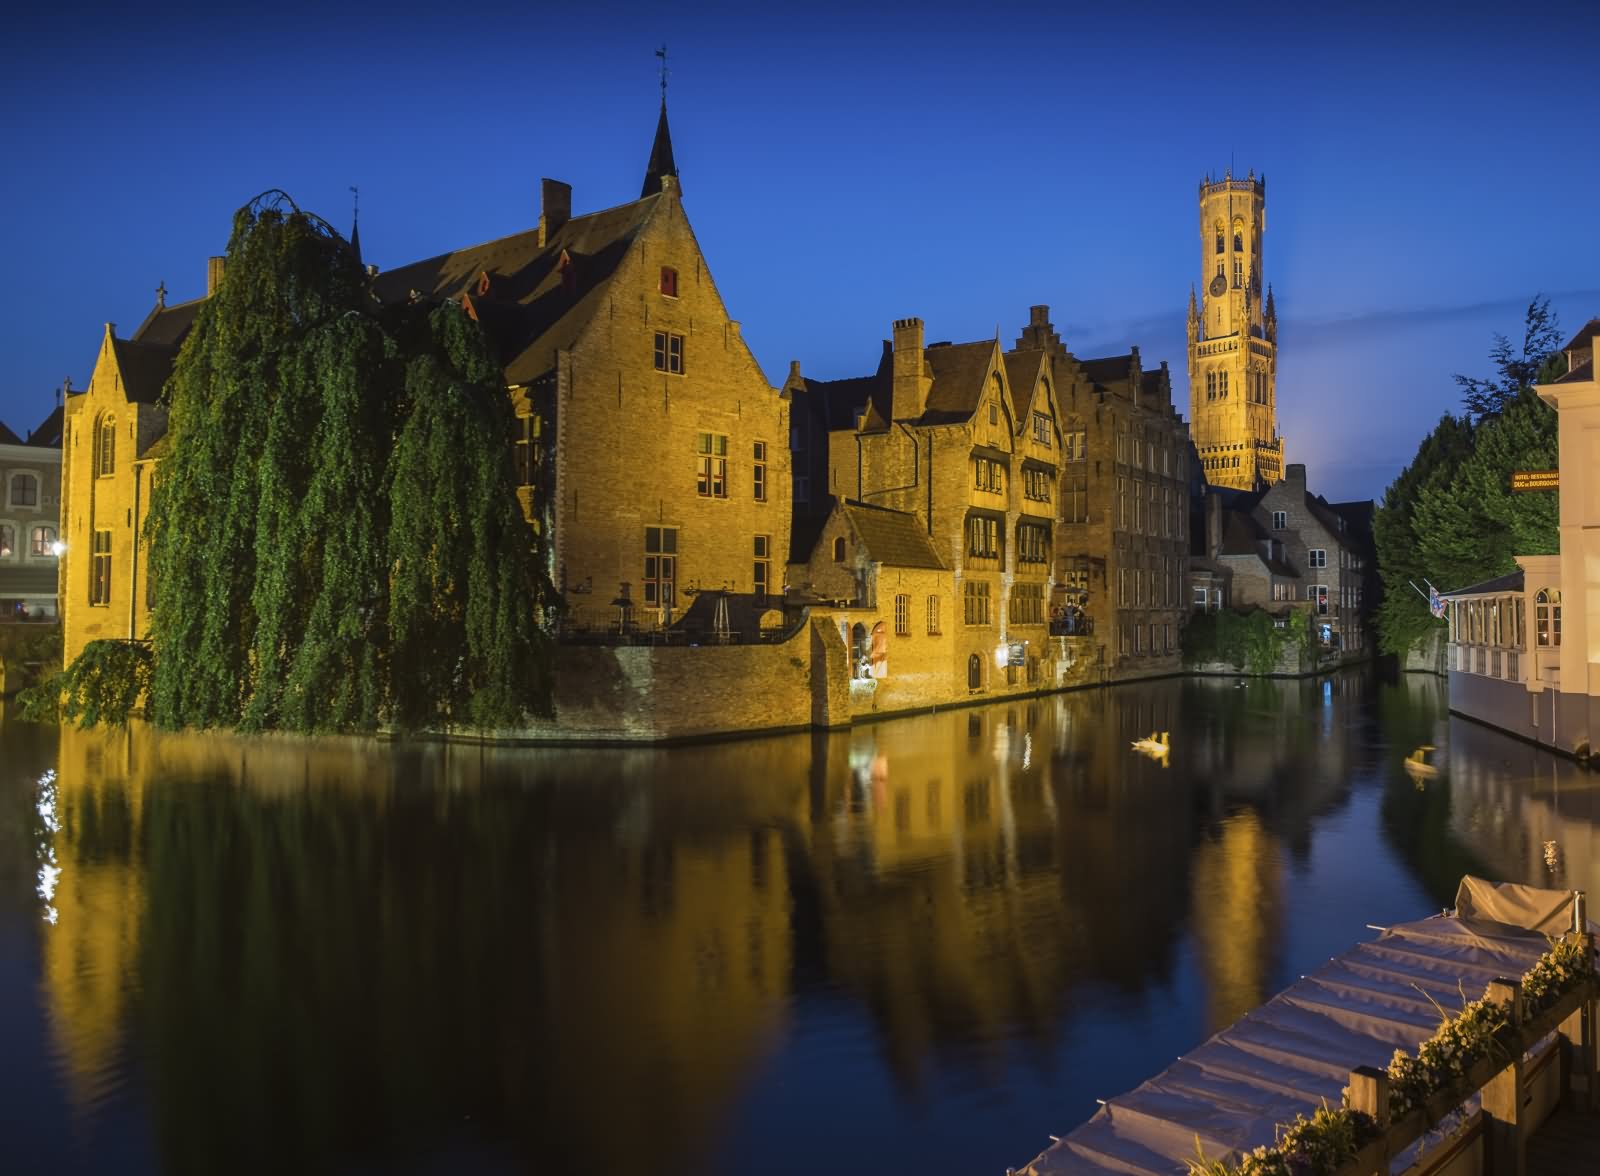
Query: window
{"type": "Point", "coordinates": [759, 472]}
{"type": "Point", "coordinates": [994, 412]}
{"type": "Point", "coordinates": [669, 281]}
{"type": "Point", "coordinates": [1042, 429]}
{"type": "Point", "coordinates": [933, 616]}
{"type": "Point", "coordinates": [1547, 616]}
{"type": "Point", "coordinates": [712, 466]}
{"type": "Point", "coordinates": [802, 488]}
{"type": "Point", "coordinates": [1027, 604]}
{"type": "Point", "coordinates": [669, 352]}
{"type": "Point", "coordinates": [100, 569]}
{"type": "Point", "coordinates": [1122, 503]}
{"type": "Point", "coordinates": [1036, 484]}
{"type": "Point", "coordinates": [24, 490]}
{"type": "Point", "coordinates": [1238, 239]}
{"type": "Point", "coordinates": [1074, 443]}
{"type": "Point", "coordinates": [974, 673]}
{"type": "Point", "coordinates": [660, 565]}
{"type": "Point", "coordinates": [1317, 557]}
{"type": "Point", "coordinates": [1200, 598]}
{"type": "Point", "coordinates": [1280, 520]}
{"type": "Point", "coordinates": [838, 550]}
{"type": "Point", "coordinates": [8, 540]}
{"type": "Point", "coordinates": [42, 538]}
{"type": "Point", "coordinates": [1220, 245]}
{"type": "Point", "coordinates": [902, 616]}
{"type": "Point", "coordinates": [526, 448]}
{"type": "Point", "coordinates": [105, 448]}
{"type": "Point", "coordinates": [1238, 272]}
{"type": "Point", "coordinates": [1211, 385]}
{"type": "Point", "coordinates": [975, 601]}
{"type": "Point", "coordinates": [983, 537]}
{"type": "Point", "coordinates": [988, 475]}
{"type": "Point", "coordinates": [1319, 594]}
{"type": "Point", "coordinates": [1222, 385]}
{"type": "Point", "coordinates": [762, 574]}
{"type": "Point", "coordinates": [1033, 543]}
{"type": "Point", "coordinates": [1075, 500]}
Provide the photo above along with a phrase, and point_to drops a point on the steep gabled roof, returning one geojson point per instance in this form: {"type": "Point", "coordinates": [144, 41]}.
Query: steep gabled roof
{"type": "Point", "coordinates": [1584, 339]}
{"type": "Point", "coordinates": [48, 434]}
{"type": "Point", "coordinates": [7, 437]}
{"type": "Point", "coordinates": [538, 309]}
{"type": "Point", "coordinates": [169, 325]}
{"type": "Point", "coordinates": [1022, 374]}
{"type": "Point", "coordinates": [958, 371]}
{"type": "Point", "coordinates": [145, 368]}
{"type": "Point", "coordinates": [661, 161]}
{"type": "Point", "coordinates": [892, 537]}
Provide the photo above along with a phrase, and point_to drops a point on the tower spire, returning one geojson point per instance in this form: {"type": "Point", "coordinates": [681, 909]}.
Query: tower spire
{"type": "Point", "coordinates": [661, 162]}
{"type": "Point", "coordinates": [355, 222]}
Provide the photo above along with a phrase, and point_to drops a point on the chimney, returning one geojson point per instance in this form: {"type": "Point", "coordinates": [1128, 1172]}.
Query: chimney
{"type": "Point", "coordinates": [555, 208]}
{"type": "Point", "coordinates": [911, 379]}
{"type": "Point", "coordinates": [1213, 503]}
{"type": "Point", "coordinates": [214, 266]}
{"type": "Point", "coordinates": [1295, 473]}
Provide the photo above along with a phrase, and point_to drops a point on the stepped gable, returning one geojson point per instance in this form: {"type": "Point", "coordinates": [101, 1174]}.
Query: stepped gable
{"type": "Point", "coordinates": [891, 537]}
{"type": "Point", "coordinates": [533, 300]}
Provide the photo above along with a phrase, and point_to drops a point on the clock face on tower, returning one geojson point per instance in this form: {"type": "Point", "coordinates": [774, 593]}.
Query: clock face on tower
{"type": "Point", "coordinates": [1218, 285]}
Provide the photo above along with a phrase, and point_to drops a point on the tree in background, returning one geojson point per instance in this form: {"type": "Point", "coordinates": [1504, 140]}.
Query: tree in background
{"type": "Point", "coordinates": [1541, 336]}
{"type": "Point", "coordinates": [335, 536]}
{"type": "Point", "coordinates": [1450, 518]}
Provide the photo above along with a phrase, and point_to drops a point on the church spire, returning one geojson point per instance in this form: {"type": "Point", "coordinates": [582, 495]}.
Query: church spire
{"type": "Point", "coordinates": [355, 223]}
{"type": "Point", "coordinates": [661, 161]}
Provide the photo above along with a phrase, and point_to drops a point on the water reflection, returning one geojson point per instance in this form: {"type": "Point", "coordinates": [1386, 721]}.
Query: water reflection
{"type": "Point", "coordinates": [352, 953]}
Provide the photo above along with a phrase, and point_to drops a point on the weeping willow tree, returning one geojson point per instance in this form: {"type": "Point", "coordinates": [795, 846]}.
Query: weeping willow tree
{"type": "Point", "coordinates": [335, 537]}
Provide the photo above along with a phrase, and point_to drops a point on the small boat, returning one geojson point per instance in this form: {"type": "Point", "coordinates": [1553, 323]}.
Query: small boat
{"type": "Point", "coordinates": [1421, 763]}
{"type": "Point", "coordinates": [1153, 744]}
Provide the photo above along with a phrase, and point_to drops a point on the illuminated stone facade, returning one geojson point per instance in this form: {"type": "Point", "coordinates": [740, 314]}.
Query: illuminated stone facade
{"type": "Point", "coordinates": [1233, 340]}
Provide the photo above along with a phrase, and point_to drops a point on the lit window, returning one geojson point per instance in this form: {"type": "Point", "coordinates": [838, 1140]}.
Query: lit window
{"type": "Point", "coordinates": [669, 352]}
{"type": "Point", "coordinates": [1042, 429]}
{"type": "Point", "coordinates": [975, 599]}
{"type": "Point", "coordinates": [669, 281]}
{"type": "Point", "coordinates": [711, 467]}
{"type": "Point", "coordinates": [8, 540]}
{"type": "Point", "coordinates": [42, 539]}
{"type": "Point", "coordinates": [983, 537]}
{"type": "Point", "coordinates": [1033, 543]}
{"type": "Point", "coordinates": [1547, 616]}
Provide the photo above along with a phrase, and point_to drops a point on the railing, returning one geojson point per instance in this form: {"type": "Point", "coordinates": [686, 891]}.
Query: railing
{"type": "Point", "coordinates": [1081, 625]}
{"type": "Point", "coordinates": [1503, 1083]}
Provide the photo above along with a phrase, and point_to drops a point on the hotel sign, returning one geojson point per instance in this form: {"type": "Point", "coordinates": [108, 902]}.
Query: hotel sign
{"type": "Point", "coordinates": [1535, 479]}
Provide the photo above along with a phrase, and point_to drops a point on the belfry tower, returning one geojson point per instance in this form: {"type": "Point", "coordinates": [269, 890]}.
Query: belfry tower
{"type": "Point", "coordinates": [1233, 340]}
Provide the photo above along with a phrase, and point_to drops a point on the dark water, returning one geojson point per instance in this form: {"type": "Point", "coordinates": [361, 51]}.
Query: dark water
{"type": "Point", "coordinates": [918, 946]}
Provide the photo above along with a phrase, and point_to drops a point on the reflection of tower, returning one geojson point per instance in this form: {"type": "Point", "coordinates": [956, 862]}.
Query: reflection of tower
{"type": "Point", "coordinates": [1233, 340]}
{"type": "Point", "coordinates": [1238, 915]}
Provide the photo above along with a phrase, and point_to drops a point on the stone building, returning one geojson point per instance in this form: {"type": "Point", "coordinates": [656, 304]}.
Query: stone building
{"type": "Point", "coordinates": [30, 513]}
{"type": "Point", "coordinates": [1122, 533]}
{"type": "Point", "coordinates": [651, 449]}
{"type": "Point", "coordinates": [1233, 340]}
{"type": "Point", "coordinates": [1274, 547]}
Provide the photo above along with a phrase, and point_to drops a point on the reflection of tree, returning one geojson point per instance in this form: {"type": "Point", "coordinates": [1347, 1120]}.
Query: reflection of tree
{"type": "Point", "coordinates": [328, 966]}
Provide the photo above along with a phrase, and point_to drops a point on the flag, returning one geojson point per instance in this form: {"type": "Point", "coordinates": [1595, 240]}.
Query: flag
{"type": "Point", "coordinates": [1435, 605]}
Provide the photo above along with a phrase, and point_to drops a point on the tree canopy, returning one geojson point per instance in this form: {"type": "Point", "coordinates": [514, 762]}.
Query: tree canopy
{"type": "Point", "coordinates": [335, 537]}
{"type": "Point", "coordinates": [1450, 518]}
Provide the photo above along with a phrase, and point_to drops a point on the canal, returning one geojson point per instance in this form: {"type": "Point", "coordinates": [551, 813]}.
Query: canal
{"type": "Point", "coordinates": [918, 946]}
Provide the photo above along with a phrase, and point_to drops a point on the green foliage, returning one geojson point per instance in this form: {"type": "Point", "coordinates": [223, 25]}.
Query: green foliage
{"type": "Point", "coordinates": [1249, 641]}
{"type": "Point", "coordinates": [335, 536]}
{"type": "Point", "coordinates": [103, 685]}
{"type": "Point", "coordinates": [1450, 518]}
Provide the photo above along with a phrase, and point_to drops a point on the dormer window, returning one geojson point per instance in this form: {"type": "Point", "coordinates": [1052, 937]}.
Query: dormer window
{"type": "Point", "coordinates": [669, 281]}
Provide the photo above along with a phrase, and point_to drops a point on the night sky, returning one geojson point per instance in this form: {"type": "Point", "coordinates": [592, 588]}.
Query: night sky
{"type": "Point", "coordinates": [845, 165]}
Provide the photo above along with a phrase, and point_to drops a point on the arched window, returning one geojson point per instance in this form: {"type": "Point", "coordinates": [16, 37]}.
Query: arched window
{"type": "Point", "coordinates": [1238, 272]}
{"type": "Point", "coordinates": [838, 550]}
{"type": "Point", "coordinates": [860, 662]}
{"type": "Point", "coordinates": [24, 490]}
{"type": "Point", "coordinates": [974, 673]}
{"type": "Point", "coordinates": [1238, 236]}
{"type": "Point", "coordinates": [105, 447]}
{"type": "Point", "coordinates": [879, 654]}
{"type": "Point", "coordinates": [1547, 616]}
{"type": "Point", "coordinates": [1219, 237]}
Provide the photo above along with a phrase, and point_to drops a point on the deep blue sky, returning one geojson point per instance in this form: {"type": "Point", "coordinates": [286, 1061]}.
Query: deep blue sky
{"type": "Point", "coordinates": [848, 164]}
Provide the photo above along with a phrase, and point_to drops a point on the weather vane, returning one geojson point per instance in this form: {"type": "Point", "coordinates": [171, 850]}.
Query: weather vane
{"type": "Point", "coordinates": [662, 53]}
{"type": "Point", "coordinates": [355, 200]}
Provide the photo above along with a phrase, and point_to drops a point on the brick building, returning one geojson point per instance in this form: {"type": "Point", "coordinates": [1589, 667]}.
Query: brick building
{"type": "Point", "coordinates": [30, 513]}
{"type": "Point", "coordinates": [650, 448]}
{"type": "Point", "coordinates": [1122, 535]}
